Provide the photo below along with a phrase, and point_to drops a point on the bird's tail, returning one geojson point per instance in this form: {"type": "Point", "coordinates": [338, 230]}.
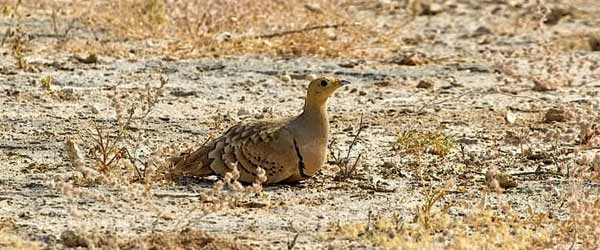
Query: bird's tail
{"type": "Point", "coordinates": [195, 163]}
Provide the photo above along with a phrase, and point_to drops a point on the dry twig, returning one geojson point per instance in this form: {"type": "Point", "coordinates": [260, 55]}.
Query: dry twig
{"type": "Point", "coordinates": [305, 29]}
{"type": "Point", "coordinates": [346, 171]}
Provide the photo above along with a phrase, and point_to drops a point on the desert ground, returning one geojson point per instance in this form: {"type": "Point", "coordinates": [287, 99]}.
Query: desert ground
{"type": "Point", "coordinates": [468, 124]}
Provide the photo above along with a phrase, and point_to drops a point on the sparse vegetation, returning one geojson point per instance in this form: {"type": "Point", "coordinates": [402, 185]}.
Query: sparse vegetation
{"type": "Point", "coordinates": [184, 239]}
{"type": "Point", "coordinates": [46, 83]}
{"type": "Point", "coordinates": [114, 151]}
{"type": "Point", "coordinates": [483, 227]}
{"type": "Point", "coordinates": [11, 241]}
{"type": "Point", "coordinates": [346, 167]}
{"type": "Point", "coordinates": [15, 36]}
{"type": "Point", "coordinates": [420, 142]}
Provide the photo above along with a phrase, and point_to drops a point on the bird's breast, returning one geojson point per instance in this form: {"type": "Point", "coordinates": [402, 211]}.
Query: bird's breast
{"type": "Point", "coordinates": [314, 154]}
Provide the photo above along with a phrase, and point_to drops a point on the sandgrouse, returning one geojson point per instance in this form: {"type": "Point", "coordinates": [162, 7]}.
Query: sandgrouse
{"type": "Point", "coordinates": [288, 150]}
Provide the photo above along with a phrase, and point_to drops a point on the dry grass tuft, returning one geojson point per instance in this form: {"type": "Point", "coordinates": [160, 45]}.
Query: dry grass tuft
{"type": "Point", "coordinates": [11, 241]}
{"type": "Point", "coordinates": [217, 28]}
{"type": "Point", "coordinates": [484, 228]}
{"type": "Point", "coordinates": [183, 239]}
{"type": "Point", "coordinates": [426, 214]}
{"type": "Point", "coordinates": [16, 37]}
{"type": "Point", "coordinates": [114, 150]}
{"type": "Point", "coordinates": [419, 142]}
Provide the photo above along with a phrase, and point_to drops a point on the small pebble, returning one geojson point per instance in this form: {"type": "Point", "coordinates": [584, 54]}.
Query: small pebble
{"type": "Point", "coordinates": [243, 111]}
{"type": "Point", "coordinates": [425, 84]}
{"type": "Point", "coordinates": [94, 109]}
{"type": "Point", "coordinates": [285, 78]}
{"type": "Point", "coordinates": [389, 164]}
{"type": "Point", "coordinates": [310, 77]}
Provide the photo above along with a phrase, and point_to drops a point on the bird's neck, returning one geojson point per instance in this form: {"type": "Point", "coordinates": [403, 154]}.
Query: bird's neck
{"type": "Point", "coordinates": [314, 106]}
{"type": "Point", "coordinates": [315, 117]}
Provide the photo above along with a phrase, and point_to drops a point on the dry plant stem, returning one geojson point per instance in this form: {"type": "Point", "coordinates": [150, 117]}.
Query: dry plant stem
{"type": "Point", "coordinates": [376, 188]}
{"type": "Point", "coordinates": [152, 100]}
{"type": "Point", "coordinates": [425, 211]}
{"type": "Point", "coordinates": [355, 140]}
{"type": "Point", "coordinates": [105, 146]}
{"type": "Point", "coordinates": [61, 37]}
{"type": "Point", "coordinates": [345, 170]}
{"type": "Point", "coordinates": [292, 244]}
{"type": "Point", "coordinates": [103, 142]}
{"type": "Point", "coordinates": [9, 30]}
{"type": "Point", "coordinates": [305, 29]}
{"type": "Point", "coordinates": [538, 173]}
{"type": "Point", "coordinates": [54, 23]}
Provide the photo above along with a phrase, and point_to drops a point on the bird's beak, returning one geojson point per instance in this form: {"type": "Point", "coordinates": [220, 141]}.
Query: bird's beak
{"type": "Point", "coordinates": [344, 82]}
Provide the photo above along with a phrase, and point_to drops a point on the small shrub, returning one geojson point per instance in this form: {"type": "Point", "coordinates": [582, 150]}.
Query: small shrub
{"type": "Point", "coordinates": [418, 142]}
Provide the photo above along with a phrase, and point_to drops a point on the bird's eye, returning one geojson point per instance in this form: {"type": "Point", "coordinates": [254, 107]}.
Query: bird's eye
{"type": "Point", "coordinates": [323, 83]}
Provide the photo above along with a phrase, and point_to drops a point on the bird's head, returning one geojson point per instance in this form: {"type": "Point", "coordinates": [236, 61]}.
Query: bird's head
{"type": "Point", "coordinates": [321, 88]}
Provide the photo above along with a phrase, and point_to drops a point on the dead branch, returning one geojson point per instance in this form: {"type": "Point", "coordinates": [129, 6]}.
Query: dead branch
{"type": "Point", "coordinates": [305, 29]}
{"type": "Point", "coordinates": [538, 173]}
{"type": "Point", "coordinates": [376, 188]}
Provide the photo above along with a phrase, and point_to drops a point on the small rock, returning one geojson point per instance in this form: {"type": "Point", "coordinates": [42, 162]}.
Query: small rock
{"type": "Point", "coordinates": [544, 85]}
{"type": "Point", "coordinates": [71, 239]}
{"type": "Point", "coordinates": [313, 7]}
{"type": "Point", "coordinates": [510, 117]}
{"type": "Point", "coordinates": [330, 33]}
{"type": "Point", "coordinates": [482, 30]}
{"type": "Point", "coordinates": [498, 181]}
{"type": "Point", "coordinates": [557, 115]}
{"type": "Point", "coordinates": [555, 15]}
{"type": "Point", "coordinates": [410, 59]}
{"type": "Point", "coordinates": [506, 181]}
{"type": "Point", "coordinates": [425, 84]}
{"type": "Point", "coordinates": [310, 77]}
{"type": "Point", "coordinates": [91, 58]}
{"type": "Point", "coordinates": [243, 111]}
{"type": "Point", "coordinates": [468, 141]}
{"type": "Point", "coordinates": [182, 93]}
{"type": "Point", "coordinates": [382, 83]}
{"type": "Point", "coordinates": [223, 37]}
{"type": "Point", "coordinates": [267, 43]}
{"type": "Point", "coordinates": [515, 3]}
{"type": "Point", "coordinates": [362, 93]}
{"type": "Point", "coordinates": [429, 9]}
{"type": "Point", "coordinates": [594, 43]}
{"type": "Point", "coordinates": [12, 92]}
{"type": "Point", "coordinates": [596, 163]}
{"type": "Point", "coordinates": [389, 165]}
{"type": "Point", "coordinates": [351, 63]}
{"type": "Point", "coordinates": [286, 78]}
{"type": "Point", "coordinates": [268, 110]}
{"type": "Point", "coordinates": [94, 109]}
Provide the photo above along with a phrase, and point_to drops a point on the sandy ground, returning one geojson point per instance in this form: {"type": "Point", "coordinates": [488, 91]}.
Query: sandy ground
{"type": "Point", "coordinates": [467, 102]}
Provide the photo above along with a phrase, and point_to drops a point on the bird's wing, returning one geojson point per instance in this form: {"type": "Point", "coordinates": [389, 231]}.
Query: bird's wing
{"type": "Point", "coordinates": [248, 146]}
{"type": "Point", "coordinates": [265, 144]}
